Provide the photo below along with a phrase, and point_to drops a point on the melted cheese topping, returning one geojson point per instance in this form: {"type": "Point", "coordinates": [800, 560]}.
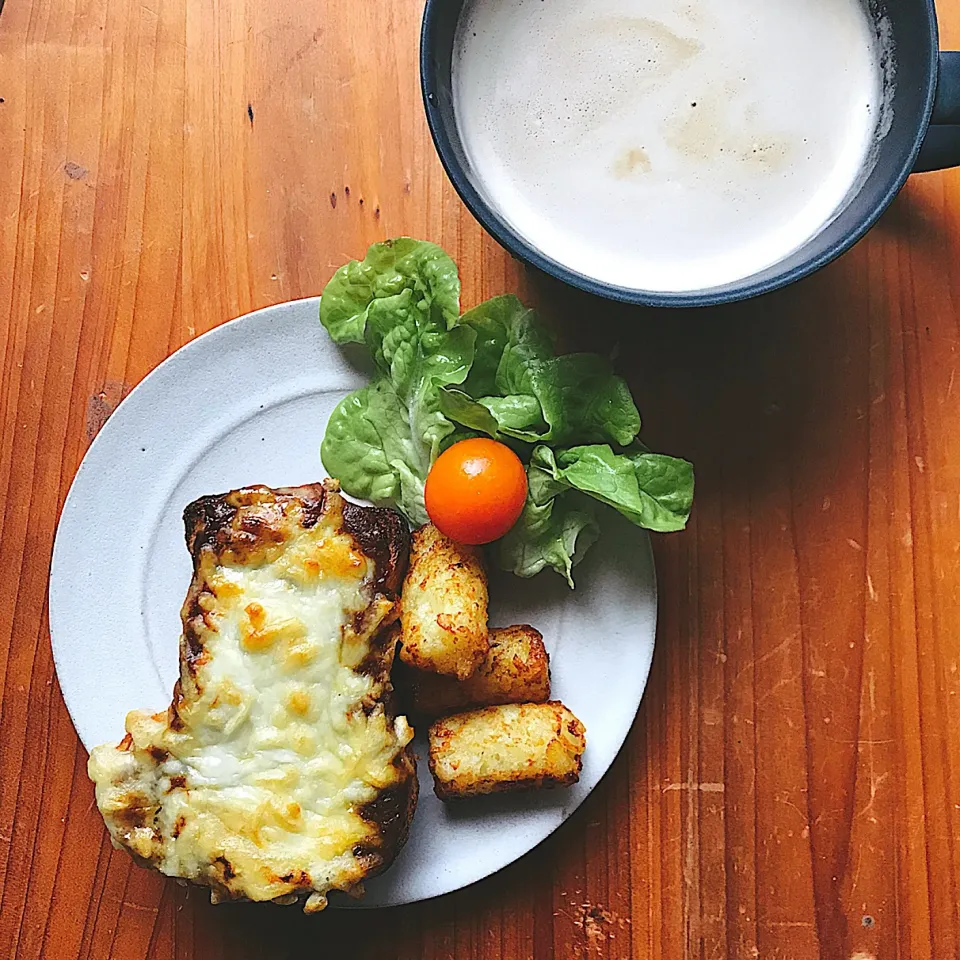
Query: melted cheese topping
{"type": "Point", "coordinates": [260, 791]}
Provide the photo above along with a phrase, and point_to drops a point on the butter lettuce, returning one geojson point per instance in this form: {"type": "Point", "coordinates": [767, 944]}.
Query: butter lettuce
{"type": "Point", "coordinates": [519, 389]}
{"type": "Point", "coordinates": [441, 377]}
{"type": "Point", "coordinates": [370, 448]}
{"type": "Point", "coordinates": [508, 337]}
{"type": "Point", "coordinates": [651, 490]}
{"type": "Point", "coordinates": [554, 534]}
{"type": "Point", "coordinates": [388, 269]}
{"type": "Point", "coordinates": [558, 526]}
{"type": "Point", "coordinates": [403, 302]}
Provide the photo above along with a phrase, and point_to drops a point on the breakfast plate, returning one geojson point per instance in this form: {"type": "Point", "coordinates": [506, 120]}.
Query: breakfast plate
{"type": "Point", "coordinates": [247, 403]}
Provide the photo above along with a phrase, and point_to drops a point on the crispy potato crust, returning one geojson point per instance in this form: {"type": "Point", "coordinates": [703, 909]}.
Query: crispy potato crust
{"type": "Point", "coordinates": [443, 609]}
{"type": "Point", "coordinates": [508, 747]}
{"type": "Point", "coordinates": [515, 670]}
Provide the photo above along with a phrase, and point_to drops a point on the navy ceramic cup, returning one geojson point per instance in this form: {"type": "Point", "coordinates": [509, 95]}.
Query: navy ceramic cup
{"type": "Point", "coordinates": [925, 135]}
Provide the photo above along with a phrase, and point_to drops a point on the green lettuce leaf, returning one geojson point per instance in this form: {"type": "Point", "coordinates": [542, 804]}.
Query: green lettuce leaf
{"type": "Point", "coordinates": [418, 356]}
{"type": "Point", "coordinates": [369, 448]}
{"type": "Point", "coordinates": [666, 490]}
{"type": "Point", "coordinates": [651, 490]}
{"type": "Point", "coordinates": [508, 336]}
{"type": "Point", "coordinates": [583, 400]}
{"type": "Point", "coordinates": [462, 408]}
{"type": "Point", "coordinates": [389, 269]}
{"type": "Point", "coordinates": [518, 417]}
{"type": "Point", "coordinates": [555, 534]}
{"type": "Point", "coordinates": [382, 440]}
{"type": "Point", "coordinates": [517, 388]}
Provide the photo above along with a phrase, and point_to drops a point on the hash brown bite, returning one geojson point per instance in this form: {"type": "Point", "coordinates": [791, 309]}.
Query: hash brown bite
{"type": "Point", "coordinates": [515, 670]}
{"type": "Point", "coordinates": [507, 747]}
{"type": "Point", "coordinates": [443, 607]}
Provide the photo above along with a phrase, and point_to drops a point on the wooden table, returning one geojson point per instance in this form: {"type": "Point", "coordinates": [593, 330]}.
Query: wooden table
{"type": "Point", "coordinates": [791, 788]}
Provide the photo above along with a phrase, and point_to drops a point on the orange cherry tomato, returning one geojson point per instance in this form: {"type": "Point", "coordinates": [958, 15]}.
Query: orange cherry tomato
{"type": "Point", "coordinates": [475, 491]}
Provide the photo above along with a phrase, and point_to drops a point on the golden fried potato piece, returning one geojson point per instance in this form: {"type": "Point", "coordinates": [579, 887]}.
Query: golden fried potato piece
{"type": "Point", "coordinates": [514, 746]}
{"type": "Point", "coordinates": [516, 670]}
{"type": "Point", "coordinates": [443, 608]}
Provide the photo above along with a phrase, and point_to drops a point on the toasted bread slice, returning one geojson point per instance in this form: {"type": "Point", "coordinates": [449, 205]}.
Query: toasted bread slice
{"type": "Point", "coordinates": [511, 747]}
{"type": "Point", "coordinates": [515, 670]}
{"type": "Point", "coordinates": [443, 609]}
{"type": "Point", "coordinates": [280, 771]}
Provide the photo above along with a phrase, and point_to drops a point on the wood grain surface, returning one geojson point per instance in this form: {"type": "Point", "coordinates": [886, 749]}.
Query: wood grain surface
{"type": "Point", "coordinates": [791, 788]}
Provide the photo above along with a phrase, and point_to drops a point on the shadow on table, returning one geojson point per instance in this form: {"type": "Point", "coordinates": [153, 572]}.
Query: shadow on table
{"type": "Point", "coordinates": [508, 908]}
{"type": "Point", "coordinates": [744, 390]}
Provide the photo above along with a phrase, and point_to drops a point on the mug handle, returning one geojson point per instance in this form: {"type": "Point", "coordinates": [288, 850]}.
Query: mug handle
{"type": "Point", "coordinates": [941, 145]}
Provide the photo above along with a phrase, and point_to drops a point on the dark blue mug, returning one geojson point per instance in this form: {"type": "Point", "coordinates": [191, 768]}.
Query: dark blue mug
{"type": "Point", "coordinates": [924, 135]}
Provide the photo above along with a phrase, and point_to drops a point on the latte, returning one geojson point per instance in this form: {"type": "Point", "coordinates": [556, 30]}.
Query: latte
{"type": "Point", "coordinates": [667, 145]}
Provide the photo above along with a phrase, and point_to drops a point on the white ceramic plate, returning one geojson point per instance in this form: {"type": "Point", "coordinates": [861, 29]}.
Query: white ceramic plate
{"type": "Point", "coordinates": [248, 403]}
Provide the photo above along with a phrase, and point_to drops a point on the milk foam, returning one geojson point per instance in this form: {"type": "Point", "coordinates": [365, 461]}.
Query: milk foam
{"type": "Point", "coordinates": [667, 145]}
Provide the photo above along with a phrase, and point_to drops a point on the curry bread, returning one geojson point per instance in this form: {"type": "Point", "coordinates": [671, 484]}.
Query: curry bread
{"type": "Point", "coordinates": [280, 771]}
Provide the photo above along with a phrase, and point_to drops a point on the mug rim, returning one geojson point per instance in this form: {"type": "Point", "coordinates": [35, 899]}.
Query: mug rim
{"type": "Point", "coordinates": [744, 289]}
